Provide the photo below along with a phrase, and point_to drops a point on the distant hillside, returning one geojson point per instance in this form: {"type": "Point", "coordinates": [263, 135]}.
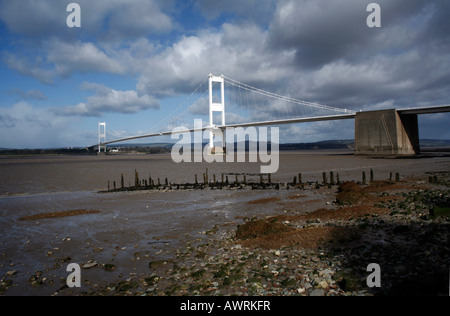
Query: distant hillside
{"type": "Point", "coordinates": [434, 143]}
{"type": "Point", "coordinates": [48, 151]}
{"type": "Point", "coordinates": [327, 144]}
{"type": "Point", "coordinates": [157, 148]}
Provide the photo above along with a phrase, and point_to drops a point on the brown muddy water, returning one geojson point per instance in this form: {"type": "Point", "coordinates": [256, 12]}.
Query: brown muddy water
{"type": "Point", "coordinates": [133, 228]}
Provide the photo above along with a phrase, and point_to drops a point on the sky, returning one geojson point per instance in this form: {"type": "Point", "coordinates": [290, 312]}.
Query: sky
{"type": "Point", "coordinates": [133, 62]}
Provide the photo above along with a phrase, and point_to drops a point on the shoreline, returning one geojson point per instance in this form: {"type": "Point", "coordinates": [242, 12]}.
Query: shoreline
{"type": "Point", "coordinates": [391, 226]}
{"type": "Point", "coordinates": [184, 242]}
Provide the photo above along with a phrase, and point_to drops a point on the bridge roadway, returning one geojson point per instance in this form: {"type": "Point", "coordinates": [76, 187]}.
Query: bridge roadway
{"type": "Point", "coordinates": [350, 115]}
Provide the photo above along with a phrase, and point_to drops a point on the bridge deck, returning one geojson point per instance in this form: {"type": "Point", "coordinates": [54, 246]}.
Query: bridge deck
{"type": "Point", "coordinates": [350, 115]}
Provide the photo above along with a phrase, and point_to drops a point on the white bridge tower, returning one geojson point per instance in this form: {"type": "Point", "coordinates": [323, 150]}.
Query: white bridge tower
{"type": "Point", "coordinates": [218, 107]}
{"type": "Point", "coordinates": [101, 136]}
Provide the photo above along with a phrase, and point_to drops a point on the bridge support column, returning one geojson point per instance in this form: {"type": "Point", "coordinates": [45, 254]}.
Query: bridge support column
{"type": "Point", "coordinates": [386, 133]}
{"type": "Point", "coordinates": [213, 108]}
{"type": "Point", "coordinates": [101, 137]}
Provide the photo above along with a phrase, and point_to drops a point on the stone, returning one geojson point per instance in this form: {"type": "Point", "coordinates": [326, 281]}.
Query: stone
{"type": "Point", "coordinates": [317, 292]}
{"type": "Point", "coordinates": [110, 267]}
{"type": "Point", "coordinates": [90, 264]}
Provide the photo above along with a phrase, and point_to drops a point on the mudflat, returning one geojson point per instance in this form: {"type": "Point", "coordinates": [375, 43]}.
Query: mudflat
{"type": "Point", "coordinates": [153, 242]}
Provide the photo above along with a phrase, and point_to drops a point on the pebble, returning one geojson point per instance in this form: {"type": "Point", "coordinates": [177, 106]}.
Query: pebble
{"type": "Point", "coordinates": [317, 292]}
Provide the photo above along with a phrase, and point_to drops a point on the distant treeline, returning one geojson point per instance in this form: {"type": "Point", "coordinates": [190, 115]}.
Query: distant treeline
{"type": "Point", "coordinates": [329, 144]}
{"type": "Point", "coordinates": [53, 151]}
{"type": "Point", "coordinates": [161, 148]}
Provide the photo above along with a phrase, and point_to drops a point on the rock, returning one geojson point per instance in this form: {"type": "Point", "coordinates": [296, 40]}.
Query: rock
{"type": "Point", "coordinates": [307, 285]}
{"type": "Point", "coordinates": [317, 292]}
{"type": "Point", "coordinates": [301, 290]}
{"type": "Point", "coordinates": [11, 273]}
{"type": "Point", "coordinates": [155, 264]}
{"type": "Point", "coordinates": [90, 264]}
{"type": "Point", "coordinates": [323, 284]}
{"type": "Point", "coordinates": [289, 282]}
{"type": "Point", "coordinates": [348, 280]}
{"type": "Point", "coordinates": [110, 267]}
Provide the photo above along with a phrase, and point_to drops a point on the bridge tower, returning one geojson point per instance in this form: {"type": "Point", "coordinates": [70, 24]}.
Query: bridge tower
{"type": "Point", "coordinates": [101, 136]}
{"type": "Point", "coordinates": [218, 107]}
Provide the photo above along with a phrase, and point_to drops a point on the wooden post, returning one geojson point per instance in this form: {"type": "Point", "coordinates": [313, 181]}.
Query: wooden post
{"type": "Point", "coordinates": [332, 178]}
{"type": "Point", "coordinates": [122, 184]}
{"type": "Point", "coordinates": [397, 177]}
{"type": "Point", "coordinates": [300, 178]}
{"type": "Point", "coordinates": [269, 178]}
{"type": "Point", "coordinates": [324, 175]}
{"type": "Point", "coordinates": [294, 181]}
{"type": "Point", "coordinates": [364, 181]}
{"type": "Point", "coordinates": [371, 175]}
{"type": "Point", "coordinates": [196, 182]}
{"type": "Point", "coordinates": [136, 179]}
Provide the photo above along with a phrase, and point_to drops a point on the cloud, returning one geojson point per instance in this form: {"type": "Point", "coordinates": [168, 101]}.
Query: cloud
{"type": "Point", "coordinates": [33, 69]}
{"type": "Point", "coordinates": [254, 11]}
{"type": "Point", "coordinates": [109, 100]}
{"type": "Point", "coordinates": [28, 95]}
{"type": "Point", "coordinates": [23, 125]}
{"type": "Point", "coordinates": [62, 59]}
{"type": "Point", "coordinates": [237, 51]}
{"type": "Point", "coordinates": [326, 31]}
{"type": "Point", "coordinates": [113, 19]}
{"type": "Point", "coordinates": [80, 57]}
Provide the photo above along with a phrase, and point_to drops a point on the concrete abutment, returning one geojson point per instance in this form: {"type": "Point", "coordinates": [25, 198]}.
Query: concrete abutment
{"type": "Point", "coordinates": [387, 133]}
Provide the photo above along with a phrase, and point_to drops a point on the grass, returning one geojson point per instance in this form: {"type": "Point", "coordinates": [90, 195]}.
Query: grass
{"type": "Point", "coordinates": [441, 211]}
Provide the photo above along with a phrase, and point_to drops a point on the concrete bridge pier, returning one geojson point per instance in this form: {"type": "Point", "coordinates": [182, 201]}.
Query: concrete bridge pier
{"type": "Point", "coordinates": [386, 133]}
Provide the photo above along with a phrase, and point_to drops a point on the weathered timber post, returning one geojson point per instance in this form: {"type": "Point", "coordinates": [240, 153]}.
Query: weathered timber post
{"type": "Point", "coordinates": [136, 179]}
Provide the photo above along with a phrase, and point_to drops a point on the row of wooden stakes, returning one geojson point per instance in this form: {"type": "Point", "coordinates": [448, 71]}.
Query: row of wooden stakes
{"type": "Point", "coordinates": [265, 182]}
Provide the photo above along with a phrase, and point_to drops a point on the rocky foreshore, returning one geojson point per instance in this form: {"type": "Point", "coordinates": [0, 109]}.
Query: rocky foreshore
{"type": "Point", "coordinates": [401, 226]}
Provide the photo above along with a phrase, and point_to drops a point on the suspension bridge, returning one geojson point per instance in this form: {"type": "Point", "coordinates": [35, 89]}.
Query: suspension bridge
{"type": "Point", "coordinates": [225, 103]}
